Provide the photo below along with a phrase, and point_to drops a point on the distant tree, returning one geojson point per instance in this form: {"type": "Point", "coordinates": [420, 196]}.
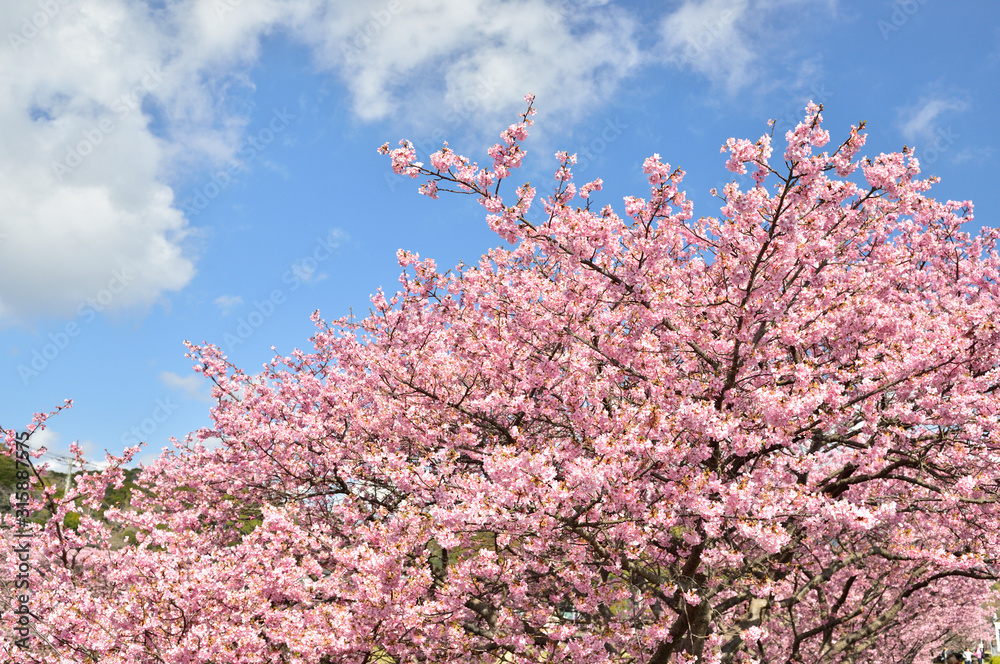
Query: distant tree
{"type": "Point", "coordinates": [8, 479]}
{"type": "Point", "coordinates": [767, 436]}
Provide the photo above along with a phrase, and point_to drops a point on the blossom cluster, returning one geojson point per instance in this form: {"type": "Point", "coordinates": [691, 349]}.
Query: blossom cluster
{"type": "Point", "coordinates": [766, 435]}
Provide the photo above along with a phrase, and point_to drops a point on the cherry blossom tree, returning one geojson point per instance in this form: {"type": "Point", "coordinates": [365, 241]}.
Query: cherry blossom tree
{"type": "Point", "coordinates": [769, 435]}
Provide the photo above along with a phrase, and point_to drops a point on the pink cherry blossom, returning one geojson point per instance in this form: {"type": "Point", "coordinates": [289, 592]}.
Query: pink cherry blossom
{"type": "Point", "coordinates": [768, 435]}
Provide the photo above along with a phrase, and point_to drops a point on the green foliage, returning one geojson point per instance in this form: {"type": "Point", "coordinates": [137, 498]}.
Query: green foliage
{"type": "Point", "coordinates": [72, 520]}
{"type": "Point", "coordinates": [120, 498]}
{"type": "Point", "coordinates": [129, 538]}
{"type": "Point", "coordinates": [8, 478]}
{"type": "Point", "coordinates": [249, 526]}
{"type": "Point", "coordinates": [8, 471]}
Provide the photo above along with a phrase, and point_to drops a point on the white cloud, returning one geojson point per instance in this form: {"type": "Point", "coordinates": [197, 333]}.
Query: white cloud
{"type": "Point", "coordinates": [739, 43]}
{"type": "Point", "coordinates": [105, 105]}
{"type": "Point", "coordinates": [79, 168]}
{"type": "Point", "coordinates": [58, 456]}
{"type": "Point", "coordinates": [705, 36]}
{"type": "Point", "coordinates": [46, 438]}
{"type": "Point", "coordinates": [193, 386]}
{"type": "Point", "coordinates": [227, 303]}
{"type": "Point", "coordinates": [979, 155]}
{"type": "Point", "coordinates": [474, 60]}
{"type": "Point", "coordinates": [307, 272]}
{"type": "Point", "coordinates": [919, 123]}
{"type": "Point", "coordinates": [108, 104]}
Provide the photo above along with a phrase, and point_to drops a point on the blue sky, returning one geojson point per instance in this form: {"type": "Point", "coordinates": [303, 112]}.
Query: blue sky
{"type": "Point", "coordinates": [206, 170]}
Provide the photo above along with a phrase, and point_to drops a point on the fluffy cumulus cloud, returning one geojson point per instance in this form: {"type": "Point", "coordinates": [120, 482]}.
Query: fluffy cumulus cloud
{"type": "Point", "coordinates": [107, 104]}
{"type": "Point", "coordinates": [99, 100]}
{"type": "Point", "coordinates": [79, 190]}
{"type": "Point", "coordinates": [708, 36]}
{"type": "Point", "coordinates": [475, 58]}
